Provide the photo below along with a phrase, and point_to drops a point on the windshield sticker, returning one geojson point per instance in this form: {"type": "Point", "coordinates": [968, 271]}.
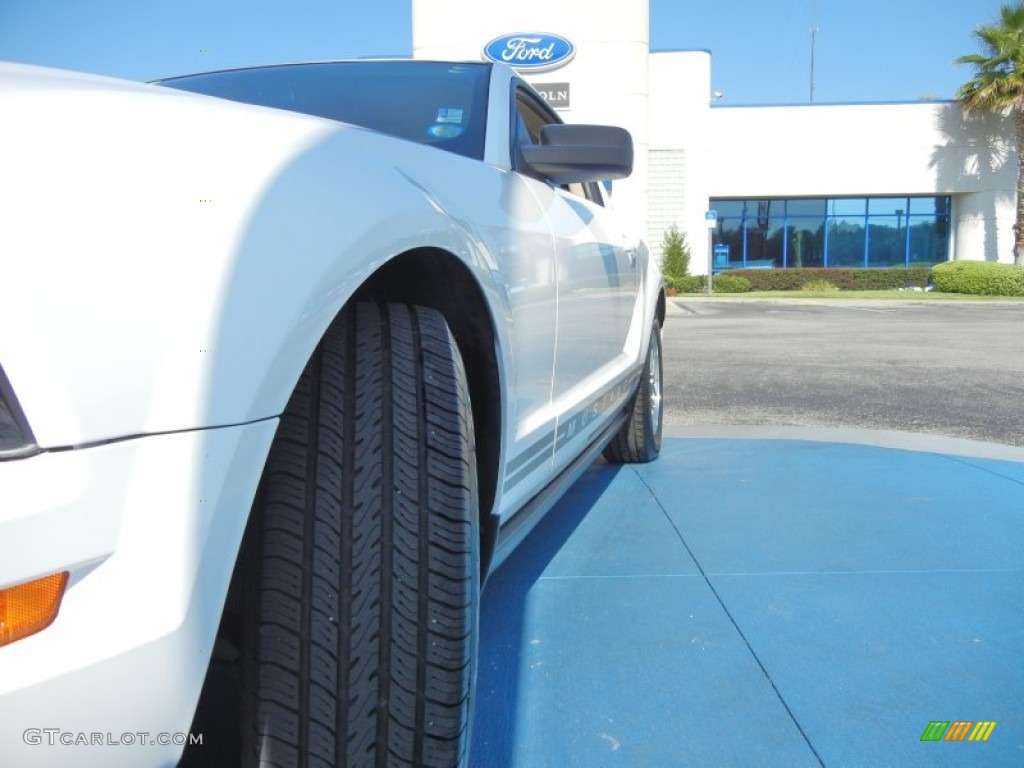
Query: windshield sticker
{"type": "Point", "coordinates": [449, 115]}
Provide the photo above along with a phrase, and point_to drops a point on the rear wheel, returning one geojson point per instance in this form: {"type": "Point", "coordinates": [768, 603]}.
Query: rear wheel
{"type": "Point", "coordinates": [639, 440]}
{"type": "Point", "coordinates": [362, 581]}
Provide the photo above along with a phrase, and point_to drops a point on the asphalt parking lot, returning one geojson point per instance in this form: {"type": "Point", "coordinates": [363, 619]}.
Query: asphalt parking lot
{"type": "Point", "coordinates": [945, 368]}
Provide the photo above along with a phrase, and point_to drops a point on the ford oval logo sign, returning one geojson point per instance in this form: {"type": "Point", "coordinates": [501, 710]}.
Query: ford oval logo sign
{"type": "Point", "coordinates": [531, 51]}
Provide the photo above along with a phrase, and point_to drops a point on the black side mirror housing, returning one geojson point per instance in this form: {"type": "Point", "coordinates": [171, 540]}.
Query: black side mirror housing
{"type": "Point", "coordinates": [578, 153]}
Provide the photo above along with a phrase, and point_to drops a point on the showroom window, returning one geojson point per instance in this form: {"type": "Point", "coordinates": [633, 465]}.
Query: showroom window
{"type": "Point", "coordinates": [831, 232]}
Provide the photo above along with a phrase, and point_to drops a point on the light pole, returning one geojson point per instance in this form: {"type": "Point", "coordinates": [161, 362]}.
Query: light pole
{"type": "Point", "coordinates": [711, 220]}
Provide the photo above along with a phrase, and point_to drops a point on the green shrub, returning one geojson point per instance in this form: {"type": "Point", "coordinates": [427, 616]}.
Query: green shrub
{"type": "Point", "coordinates": [819, 286]}
{"type": "Point", "coordinates": [730, 284]}
{"type": "Point", "coordinates": [983, 278]}
{"type": "Point", "coordinates": [699, 283]}
{"type": "Point", "coordinates": [889, 278]}
{"type": "Point", "coordinates": [687, 284]}
{"type": "Point", "coordinates": [675, 255]}
{"type": "Point", "coordinates": [846, 279]}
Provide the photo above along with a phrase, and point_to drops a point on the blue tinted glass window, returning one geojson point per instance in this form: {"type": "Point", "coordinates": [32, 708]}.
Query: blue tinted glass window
{"type": "Point", "coordinates": [726, 208]}
{"type": "Point", "coordinates": [929, 205]}
{"type": "Point", "coordinates": [922, 204]}
{"type": "Point", "coordinates": [847, 206]}
{"type": "Point", "coordinates": [835, 232]}
{"type": "Point", "coordinates": [809, 207]}
{"type": "Point", "coordinates": [730, 235]}
{"type": "Point", "coordinates": [846, 241]}
{"type": "Point", "coordinates": [928, 240]}
{"type": "Point", "coordinates": [440, 104]}
{"type": "Point", "coordinates": [888, 206]}
{"type": "Point", "coordinates": [764, 222]}
{"type": "Point", "coordinates": [887, 241]}
{"type": "Point", "coordinates": [805, 245]}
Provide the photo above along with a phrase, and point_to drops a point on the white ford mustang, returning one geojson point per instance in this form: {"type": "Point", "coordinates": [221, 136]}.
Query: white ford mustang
{"type": "Point", "coordinates": [278, 391]}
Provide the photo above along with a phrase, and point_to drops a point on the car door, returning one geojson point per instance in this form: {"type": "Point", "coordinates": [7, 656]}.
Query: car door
{"type": "Point", "coordinates": [527, 255]}
{"type": "Point", "coordinates": [597, 281]}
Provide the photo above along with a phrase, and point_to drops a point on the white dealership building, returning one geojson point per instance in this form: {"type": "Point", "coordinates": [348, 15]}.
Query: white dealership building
{"type": "Point", "coordinates": [885, 184]}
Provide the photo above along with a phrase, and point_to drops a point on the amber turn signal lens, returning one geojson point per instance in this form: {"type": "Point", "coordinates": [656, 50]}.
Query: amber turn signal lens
{"type": "Point", "coordinates": [30, 608]}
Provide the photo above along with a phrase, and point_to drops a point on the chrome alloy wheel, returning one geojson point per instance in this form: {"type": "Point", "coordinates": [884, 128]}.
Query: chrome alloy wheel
{"type": "Point", "coordinates": [654, 380]}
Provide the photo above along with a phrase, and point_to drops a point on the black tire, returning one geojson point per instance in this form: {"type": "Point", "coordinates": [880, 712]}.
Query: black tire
{"type": "Point", "coordinates": [639, 440]}
{"type": "Point", "coordinates": [361, 614]}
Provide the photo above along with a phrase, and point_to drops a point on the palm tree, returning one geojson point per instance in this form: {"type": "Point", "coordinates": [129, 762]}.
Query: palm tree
{"type": "Point", "coordinates": [998, 86]}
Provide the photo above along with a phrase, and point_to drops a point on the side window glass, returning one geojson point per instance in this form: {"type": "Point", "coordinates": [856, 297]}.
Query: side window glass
{"type": "Point", "coordinates": [527, 131]}
{"type": "Point", "coordinates": [520, 138]}
{"type": "Point", "coordinates": [577, 188]}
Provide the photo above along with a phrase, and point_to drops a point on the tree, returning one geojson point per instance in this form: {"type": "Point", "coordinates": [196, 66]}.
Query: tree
{"type": "Point", "coordinates": [675, 254]}
{"type": "Point", "coordinates": [998, 86]}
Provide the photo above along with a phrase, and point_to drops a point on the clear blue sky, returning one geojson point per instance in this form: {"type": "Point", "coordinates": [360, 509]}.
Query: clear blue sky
{"type": "Point", "coordinates": [866, 50]}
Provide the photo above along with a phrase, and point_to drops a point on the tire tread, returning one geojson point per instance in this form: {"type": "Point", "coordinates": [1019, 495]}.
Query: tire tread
{"type": "Point", "coordinates": [359, 648]}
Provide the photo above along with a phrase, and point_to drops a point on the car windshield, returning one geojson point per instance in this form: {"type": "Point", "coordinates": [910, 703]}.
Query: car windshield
{"type": "Point", "coordinates": [434, 103]}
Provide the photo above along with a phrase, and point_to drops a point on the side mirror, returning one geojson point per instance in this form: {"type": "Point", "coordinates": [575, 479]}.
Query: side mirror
{"type": "Point", "coordinates": [576, 153]}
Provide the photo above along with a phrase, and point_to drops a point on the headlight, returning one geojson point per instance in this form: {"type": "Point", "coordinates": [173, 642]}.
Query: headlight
{"type": "Point", "coordinates": [16, 438]}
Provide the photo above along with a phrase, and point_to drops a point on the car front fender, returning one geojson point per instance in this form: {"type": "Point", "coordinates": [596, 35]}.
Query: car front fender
{"type": "Point", "coordinates": [172, 259]}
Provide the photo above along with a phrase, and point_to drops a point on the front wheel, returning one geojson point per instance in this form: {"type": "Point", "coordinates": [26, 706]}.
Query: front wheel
{"type": "Point", "coordinates": [362, 586]}
{"type": "Point", "coordinates": [639, 440]}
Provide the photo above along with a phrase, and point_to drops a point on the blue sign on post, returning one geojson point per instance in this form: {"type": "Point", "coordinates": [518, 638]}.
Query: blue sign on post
{"type": "Point", "coordinates": [711, 219]}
